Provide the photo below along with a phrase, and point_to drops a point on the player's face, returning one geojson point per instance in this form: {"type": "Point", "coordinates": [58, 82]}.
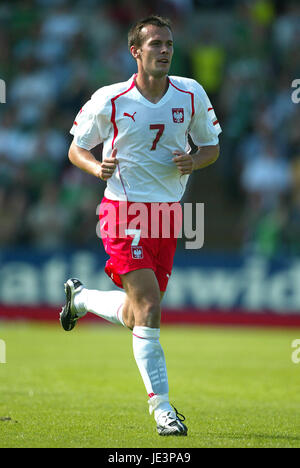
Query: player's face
{"type": "Point", "coordinates": [156, 51]}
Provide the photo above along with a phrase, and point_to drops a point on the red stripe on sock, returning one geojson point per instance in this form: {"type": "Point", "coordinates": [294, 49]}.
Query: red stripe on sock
{"type": "Point", "coordinates": [150, 395]}
{"type": "Point", "coordinates": [138, 336]}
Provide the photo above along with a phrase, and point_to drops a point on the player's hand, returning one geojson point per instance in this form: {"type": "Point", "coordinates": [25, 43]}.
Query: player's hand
{"type": "Point", "coordinates": [184, 162]}
{"type": "Point", "coordinates": [108, 166]}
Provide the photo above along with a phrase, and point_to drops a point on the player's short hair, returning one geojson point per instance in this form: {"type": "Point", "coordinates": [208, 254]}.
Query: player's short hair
{"type": "Point", "coordinates": [135, 36]}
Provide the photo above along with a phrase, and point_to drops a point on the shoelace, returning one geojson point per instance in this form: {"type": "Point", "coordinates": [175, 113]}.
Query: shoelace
{"type": "Point", "coordinates": [179, 414]}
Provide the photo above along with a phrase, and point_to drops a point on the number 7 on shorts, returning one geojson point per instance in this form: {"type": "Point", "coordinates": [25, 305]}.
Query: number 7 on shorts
{"type": "Point", "coordinates": [136, 250]}
{"type": "Point", "coordinates": [137, 235]}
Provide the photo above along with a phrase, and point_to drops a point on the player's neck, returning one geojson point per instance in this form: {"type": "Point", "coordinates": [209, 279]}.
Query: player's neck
{"type": "Point", "coordinates": [150, 87]}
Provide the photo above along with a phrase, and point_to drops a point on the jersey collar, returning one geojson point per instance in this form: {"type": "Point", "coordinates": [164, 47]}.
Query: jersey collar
{"type": "Point", "coordinates": [148, 103]}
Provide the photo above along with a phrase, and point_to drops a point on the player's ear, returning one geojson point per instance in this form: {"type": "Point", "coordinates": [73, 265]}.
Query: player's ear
{"type": "Point", "coordinates": [135, 52]}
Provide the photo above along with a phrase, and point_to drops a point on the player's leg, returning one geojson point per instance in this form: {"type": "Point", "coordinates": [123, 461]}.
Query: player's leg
{"type": "Point", "coordinates": [144, 296]}
{"type": "Point", "coordinates": [128, 313]}
{"type": "Point", "coordinates": [114, 306]}
{"type": "Point", "coordinates": [79, 301]}
{"type": "Point", "coordinates": [128, 316]}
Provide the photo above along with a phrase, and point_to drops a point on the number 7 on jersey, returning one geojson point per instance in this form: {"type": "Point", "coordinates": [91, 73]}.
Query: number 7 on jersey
{"type": "Point", "coordinates": [160, 128]}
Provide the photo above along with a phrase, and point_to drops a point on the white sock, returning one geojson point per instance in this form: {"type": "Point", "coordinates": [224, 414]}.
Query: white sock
{"type": "Point", "coordinates": [151, 362]}
{"type": "Point", "coordinates": [160, 404]}
{"type": "Point", "coordinates": [105, 304]}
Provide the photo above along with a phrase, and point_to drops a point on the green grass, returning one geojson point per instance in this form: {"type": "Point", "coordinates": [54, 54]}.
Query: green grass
{"type": "Point", "coordinates": [237, 388]}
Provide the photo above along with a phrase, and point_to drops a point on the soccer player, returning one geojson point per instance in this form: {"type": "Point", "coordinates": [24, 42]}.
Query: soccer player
{"type": "Point", "coordinates": [144, 125]}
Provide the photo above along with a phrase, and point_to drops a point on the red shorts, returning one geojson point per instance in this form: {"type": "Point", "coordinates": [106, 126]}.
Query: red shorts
{"type": "Point", "coordinates": [139, 235]}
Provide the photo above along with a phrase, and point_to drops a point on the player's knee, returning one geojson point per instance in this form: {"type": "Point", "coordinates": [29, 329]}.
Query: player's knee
{"type": "Point", "coordinates": [148, 313]}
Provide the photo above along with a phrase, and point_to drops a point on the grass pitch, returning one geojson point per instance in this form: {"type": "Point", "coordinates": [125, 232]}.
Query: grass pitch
{"type": "Point", "coordinates": [237, 387]}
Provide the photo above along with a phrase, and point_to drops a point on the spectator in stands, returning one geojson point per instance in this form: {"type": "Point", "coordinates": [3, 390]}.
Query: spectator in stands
{"type": "Point", "coordinates": [266, 178]}
{"type": "Point", "coordinates": [47, 220]}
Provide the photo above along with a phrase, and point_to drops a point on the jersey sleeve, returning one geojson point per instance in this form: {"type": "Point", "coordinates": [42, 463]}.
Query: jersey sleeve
{"type": "Point", "coordinates": [92, 123]}
{"type": "Point", "coordinates": [204, 128]}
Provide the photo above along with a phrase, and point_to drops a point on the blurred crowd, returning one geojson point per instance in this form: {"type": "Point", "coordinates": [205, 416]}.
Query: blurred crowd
{"type": "Point", "coordinates": [55, 53]}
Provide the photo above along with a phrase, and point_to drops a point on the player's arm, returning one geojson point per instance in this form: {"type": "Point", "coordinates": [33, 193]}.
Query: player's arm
{"type": "Point", "coordinates": [205, 156]}
{"type": "Point", "coordinates": [84, 159]}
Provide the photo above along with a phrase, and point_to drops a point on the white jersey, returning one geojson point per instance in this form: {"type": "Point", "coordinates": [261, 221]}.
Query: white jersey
{"type": "Point", "coordinates": [146, 135]}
